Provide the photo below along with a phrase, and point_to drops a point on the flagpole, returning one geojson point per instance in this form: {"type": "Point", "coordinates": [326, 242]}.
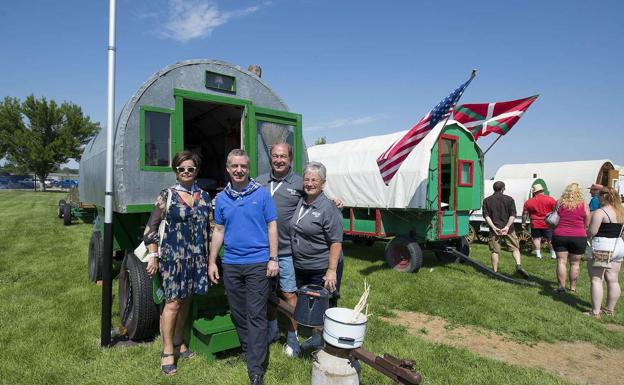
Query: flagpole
{"type": "Point", "coordinates": [472, 75]}
{"type": "Point", "coordinates": [491, 145]}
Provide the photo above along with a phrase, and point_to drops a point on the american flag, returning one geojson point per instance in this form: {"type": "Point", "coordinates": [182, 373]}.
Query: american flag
{"type": "Point", "coordinates": [391, 159]}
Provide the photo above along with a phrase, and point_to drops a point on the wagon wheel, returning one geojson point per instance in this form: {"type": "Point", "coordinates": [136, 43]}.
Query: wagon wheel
{"type": "Point", "coordinates": [67, 214]}
{"type": "Point", "coordinates": [95, 257]}
{"type": "Point", "coordinates": [472, 234]}
{"type": "Point", "coordinates": [61, 205]}
{"type": "Point", "coordinates": [404, 254]}
{"type": "Point", "coordinates": [483, 237]}
{"type": "Point", "coordinates": [138, 313]}
{"type": "Point", "coordinates": [524, 238]}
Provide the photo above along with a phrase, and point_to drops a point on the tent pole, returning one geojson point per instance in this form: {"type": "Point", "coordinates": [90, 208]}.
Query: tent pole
{"type": "Point", "coordinates": [107, 271]}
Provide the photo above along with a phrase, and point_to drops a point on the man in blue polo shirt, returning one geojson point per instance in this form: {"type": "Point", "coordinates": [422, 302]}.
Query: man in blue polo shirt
{"type": "Point", "coordinates": [246, 222]}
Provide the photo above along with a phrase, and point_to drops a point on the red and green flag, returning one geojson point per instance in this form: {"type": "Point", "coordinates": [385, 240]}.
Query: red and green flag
{"type": "Point", "coordinates": [484, 118]}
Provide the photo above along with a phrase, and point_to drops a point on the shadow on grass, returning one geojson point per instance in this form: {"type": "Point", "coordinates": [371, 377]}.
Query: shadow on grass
{"type": "Point", "coordinates": [548, 288]}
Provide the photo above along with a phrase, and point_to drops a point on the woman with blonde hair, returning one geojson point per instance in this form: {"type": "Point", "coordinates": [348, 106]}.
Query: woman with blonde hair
{"type": "Point", "coordinates": [606, 231]}
{"type": "Point", "coordinates": [570, 235]}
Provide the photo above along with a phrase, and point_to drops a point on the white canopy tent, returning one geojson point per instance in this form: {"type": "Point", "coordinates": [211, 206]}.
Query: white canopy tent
{"type": "Point", "coordinates": [558, 174]}
{"type": "Point", "coordinates": [518, 189]}
{"type": "Point", "coordinates": [353, 174]}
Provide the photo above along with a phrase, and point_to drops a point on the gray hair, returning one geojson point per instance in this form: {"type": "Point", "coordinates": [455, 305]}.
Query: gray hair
{"type": "Point", "coordinates": [317, 167]}
{"type": "Point", "coordinates": [236, 152]}
{"type": "Point", "coordinates": [288, 146]}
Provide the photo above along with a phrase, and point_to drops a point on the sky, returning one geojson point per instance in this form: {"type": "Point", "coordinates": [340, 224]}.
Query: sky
{"type": "Point", "coordinates": [351, 68]}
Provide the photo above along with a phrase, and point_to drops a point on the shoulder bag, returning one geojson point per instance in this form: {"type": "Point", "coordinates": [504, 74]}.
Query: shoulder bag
{"type": "Point", "coordinates": [141, 250]}
{"type": "Point", "coordinates": [552, 218]}
{"type": "Point", "coordinates": [600, 257]}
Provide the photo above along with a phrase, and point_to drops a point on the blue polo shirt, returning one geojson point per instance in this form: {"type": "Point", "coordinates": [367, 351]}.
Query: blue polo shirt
{"type": "Point", "coordinates": [594, 203]}
{"type": "Point", "coordinates": [245, 218]}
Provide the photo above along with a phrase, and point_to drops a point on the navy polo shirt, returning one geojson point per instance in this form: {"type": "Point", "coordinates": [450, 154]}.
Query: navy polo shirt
{"type": "Point", "coordinates": [286, 194]}
{"type": "Point", "coordinates": [315, 227]}
{"type": "Point", "coordinates": [245, 218]}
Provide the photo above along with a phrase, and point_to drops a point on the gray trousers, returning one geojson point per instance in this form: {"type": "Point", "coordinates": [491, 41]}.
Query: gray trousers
{"type": "Point", "coordinates": [247, 289]}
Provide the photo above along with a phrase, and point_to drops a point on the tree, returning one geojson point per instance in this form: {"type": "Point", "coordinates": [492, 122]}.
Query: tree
{"type": "Point", "coordinates": [321, 140]}
{"type": "Point", "coordinates": [40, 136]}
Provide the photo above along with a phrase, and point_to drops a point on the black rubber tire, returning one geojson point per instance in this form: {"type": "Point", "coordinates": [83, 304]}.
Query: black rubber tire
{"type": "Point", "coordinates": [67, 215]}
{"type": "Point", "coordinates": [138, 313]}
{"type": "Point", "coordinates": [404, 254]}
{"type": "Point", "coordinates": [61, 207]}
{"type": "Point", "coordinates": [95, 257]}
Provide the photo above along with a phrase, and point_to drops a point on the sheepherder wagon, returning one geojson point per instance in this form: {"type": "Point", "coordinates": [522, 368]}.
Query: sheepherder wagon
{"type": "Point", "coordinates": [427, 204]}
{"type": "Point", "coordinates": [206, 106]}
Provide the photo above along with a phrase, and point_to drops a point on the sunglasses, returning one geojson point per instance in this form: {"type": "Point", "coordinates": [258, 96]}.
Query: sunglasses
{"type": "Point", "coordinates": [186, 169]}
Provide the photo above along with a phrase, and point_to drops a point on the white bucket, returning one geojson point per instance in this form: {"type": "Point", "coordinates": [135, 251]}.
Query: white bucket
{"type": "Point", "coordinates": [338, 330]}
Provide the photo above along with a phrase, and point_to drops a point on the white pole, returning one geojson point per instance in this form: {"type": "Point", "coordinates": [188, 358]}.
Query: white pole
{"type": "Point", "coordinates": [107, 284]}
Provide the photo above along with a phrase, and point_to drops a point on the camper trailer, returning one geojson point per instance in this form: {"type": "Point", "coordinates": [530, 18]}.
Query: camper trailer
{"type": "Point", "coordinates": [206, 106]}
{"type": "Point", "coordinates": [427, 204]}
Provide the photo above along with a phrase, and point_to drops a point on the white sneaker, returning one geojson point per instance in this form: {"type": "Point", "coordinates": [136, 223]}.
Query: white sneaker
{"type": "Point", "coordinates": [553, 255]}
{"type": "Point", "coordinates": [292, 349]}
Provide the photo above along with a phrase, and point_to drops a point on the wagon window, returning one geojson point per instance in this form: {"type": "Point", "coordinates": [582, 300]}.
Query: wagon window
{"type": "Point", "coordinates": [156, 138]}
{"type": "Point", "coordinates": [466, 173]}
{"type": "Point", "coordinates": [220, 82]}
{"type": "Point", "coordinates": [270, 133]}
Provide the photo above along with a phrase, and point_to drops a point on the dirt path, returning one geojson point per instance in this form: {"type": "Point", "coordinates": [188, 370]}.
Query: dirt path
{"type": "Point", "coordinates": [578, 362]}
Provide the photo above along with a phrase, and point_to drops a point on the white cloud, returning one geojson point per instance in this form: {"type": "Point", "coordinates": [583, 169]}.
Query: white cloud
{"type": "Point", "coordinates": [343, 122]}
{"type": "Point", "coordinates": [193, 19]}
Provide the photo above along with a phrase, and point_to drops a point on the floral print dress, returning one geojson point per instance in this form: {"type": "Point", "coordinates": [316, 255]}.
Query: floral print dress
{"type": "Point", "coordinates": [183, 260]}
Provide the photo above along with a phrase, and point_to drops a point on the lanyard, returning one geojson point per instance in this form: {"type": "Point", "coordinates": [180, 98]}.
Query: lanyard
{"type": "Point", "coordinates": [273, 190]}
{"type": "Point", "coordinates": [302, 213]}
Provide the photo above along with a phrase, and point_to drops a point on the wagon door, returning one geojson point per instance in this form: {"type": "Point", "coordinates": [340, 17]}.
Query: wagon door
{"type": "Point", "coordinates": [447, 186]}
{"type": "Point", "coordinates": [267, 127]}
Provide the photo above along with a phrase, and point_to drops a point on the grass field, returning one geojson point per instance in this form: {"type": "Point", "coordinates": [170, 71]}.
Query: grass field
{"type": "Point", "coordinates": [50, 313]}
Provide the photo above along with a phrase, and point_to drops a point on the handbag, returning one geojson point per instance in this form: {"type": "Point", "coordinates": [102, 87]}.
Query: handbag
{"type": "Point", "coordinates": [141, 250]}
{"type": "Point", "coordinates": [602, 258]}
{"type": "Point", "coordinates": [552, 218]}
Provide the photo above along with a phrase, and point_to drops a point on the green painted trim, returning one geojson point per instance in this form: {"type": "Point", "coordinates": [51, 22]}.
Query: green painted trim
{"type": "Point", "coordinates": [142, 110]}
{"type": "Point", "coordinates": [192, 95]}
{"type": "Point", "coordinates": [139, 208]}
{"type": "Point", "coordinates": [232, 90]}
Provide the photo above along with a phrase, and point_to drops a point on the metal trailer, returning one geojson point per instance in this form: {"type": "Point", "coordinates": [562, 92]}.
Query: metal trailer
{"type": "Point", "coordinates": [520, 190]}
{"type": "Point", "coordinates": [427, 205]}
{"type": "Point", "coordinates": [72, 208]}
{"type": "Point", "coordinates": [206, 106]}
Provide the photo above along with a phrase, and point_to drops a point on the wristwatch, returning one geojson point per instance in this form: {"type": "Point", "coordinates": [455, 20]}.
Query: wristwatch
{"type": "Point", "coordinates": [274, 259]}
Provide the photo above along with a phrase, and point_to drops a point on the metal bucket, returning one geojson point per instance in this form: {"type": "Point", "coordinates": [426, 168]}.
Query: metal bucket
{"type": "Point", "coordinates": [340, 332]}
{"type": "Point", "coordinates": [312, 302]}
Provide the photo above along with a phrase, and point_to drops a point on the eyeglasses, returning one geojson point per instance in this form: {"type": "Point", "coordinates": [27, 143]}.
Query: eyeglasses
{"type": "Point", "coordinates": [186, 169]}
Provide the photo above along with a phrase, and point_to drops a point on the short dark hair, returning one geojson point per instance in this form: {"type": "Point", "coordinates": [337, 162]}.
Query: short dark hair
{"type": "Point", "coordinates": [182, 156]}
{"type": "Point", "coordinates": [498, 186]}
{"type": "Point", "coordinates": [288, 146]}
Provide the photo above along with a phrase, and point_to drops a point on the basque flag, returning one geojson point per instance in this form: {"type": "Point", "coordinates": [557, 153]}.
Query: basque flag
{"type": "Point", "coordinates": [484, 118]}
{"type": "Point", "coordinates": [391, 159]}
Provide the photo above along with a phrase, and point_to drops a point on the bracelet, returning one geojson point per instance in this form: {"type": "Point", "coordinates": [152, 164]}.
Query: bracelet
{"type": "Point", "coordinates": [274, 259]}
{"type": "Point", "coordinates": [153, 255]}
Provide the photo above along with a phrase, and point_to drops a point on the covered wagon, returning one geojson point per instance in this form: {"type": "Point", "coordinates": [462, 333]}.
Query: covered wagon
{"type": "Point", "coordinates": [206, 106]}
{"type": "Point", "coordinates": [426, 205]}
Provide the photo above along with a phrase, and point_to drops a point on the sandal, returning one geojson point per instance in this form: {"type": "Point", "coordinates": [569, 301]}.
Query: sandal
{"type": "Point", "coordinates": [169, 369]}
{"type": "Point", "coordinates": [592, 314]}
{"type": "Point", "coordinates": [185, 354]}
{"type": "Point", "coordinates": [608, 312]}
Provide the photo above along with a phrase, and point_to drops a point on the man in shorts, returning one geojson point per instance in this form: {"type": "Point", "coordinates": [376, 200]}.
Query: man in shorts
{"type": "Point", "coordinates": [536, 210]}
{"type": "Point", "coordinates": [499, 211]}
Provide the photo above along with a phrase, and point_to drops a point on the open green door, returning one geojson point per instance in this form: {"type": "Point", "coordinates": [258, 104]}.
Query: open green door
{"type": "Point", "coordinates": [267, 127]}
{"type": "Point", "coordinates": [447, 186]}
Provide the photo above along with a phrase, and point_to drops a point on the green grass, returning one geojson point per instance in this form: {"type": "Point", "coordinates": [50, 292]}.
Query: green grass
{"type": "Point", "coordinates": [50, 322]}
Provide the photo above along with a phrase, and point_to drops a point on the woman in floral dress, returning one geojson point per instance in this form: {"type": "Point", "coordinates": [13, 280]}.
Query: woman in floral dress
{"type": "Point", "coordinates": [182, 258]}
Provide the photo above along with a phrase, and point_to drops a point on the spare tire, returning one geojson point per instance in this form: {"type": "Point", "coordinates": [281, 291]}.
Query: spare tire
{"type": "Point", "coordinates": [404, 254]}
{"type": "Point", "coordinates": [138, 313]}
{"type": "Point", "coordinates": [95, 257]}
{"type": "Point", "coordinates": [61, 208]}
{"type": "Point", "coordinates": [67, 214]}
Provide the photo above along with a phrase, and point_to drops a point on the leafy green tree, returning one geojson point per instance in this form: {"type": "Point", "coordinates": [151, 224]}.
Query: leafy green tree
{"type": "Point", "coordinates": [40, 136]}
{"type": "Point", "coordinates": [321, 140]}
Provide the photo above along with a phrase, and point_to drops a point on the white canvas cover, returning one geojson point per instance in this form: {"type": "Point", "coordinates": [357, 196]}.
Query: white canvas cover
{"type": "Point", "coordinates": [353, 174]}
{"type": "Point", "coordinates": [556, 174]}
{"type": "Point", "coordinates": [518, 189]}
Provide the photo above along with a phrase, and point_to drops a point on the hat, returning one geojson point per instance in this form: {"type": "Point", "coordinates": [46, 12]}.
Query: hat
{"type": "Point", "coordinates": [595, 186]}
{"type": "Point", "coordinates": [537, 188]}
